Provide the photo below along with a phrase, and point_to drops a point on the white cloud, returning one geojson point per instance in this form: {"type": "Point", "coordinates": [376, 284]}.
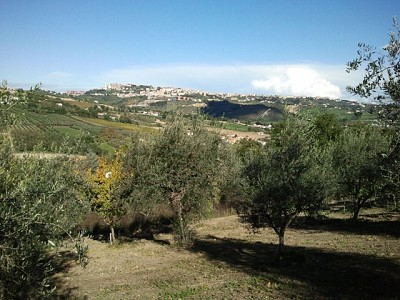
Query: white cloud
{"type": "Point", "coordinates": [300, 80]}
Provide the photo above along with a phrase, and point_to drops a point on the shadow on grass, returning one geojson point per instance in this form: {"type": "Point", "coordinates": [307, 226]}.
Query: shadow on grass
{"type": "Point", "coordinates": [130, 232]}
{"type": "Point", "coordinates": [377, 224]}
{"type": "Point", "coordinates": [62, 262]}
{"type": "Point", "coordinates": [140, 236]}
{"type": "Point", "coordinates": [307, 272]}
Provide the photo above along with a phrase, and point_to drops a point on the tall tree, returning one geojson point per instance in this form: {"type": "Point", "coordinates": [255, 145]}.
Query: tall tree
{"type": "Point", "coordinates": [358, 155]}
{"type": "Point", "coordinates": [289, 176]}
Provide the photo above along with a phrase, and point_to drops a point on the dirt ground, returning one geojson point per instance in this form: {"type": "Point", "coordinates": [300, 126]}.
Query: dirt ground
{"type": "Point", "coordinates": [328, 259]}
{"type": "Point", "coordinates": [240, 134]}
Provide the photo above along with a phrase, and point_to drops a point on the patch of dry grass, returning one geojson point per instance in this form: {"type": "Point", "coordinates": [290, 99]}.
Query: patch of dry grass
{"type": "Point", "coordinates": [327, 259]}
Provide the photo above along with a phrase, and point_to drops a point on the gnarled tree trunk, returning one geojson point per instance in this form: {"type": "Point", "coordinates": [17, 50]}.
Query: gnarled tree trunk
{"type": "Point", "coordinates": [177, 208]}
{"type": "Point", "coordinates": [281, 233]}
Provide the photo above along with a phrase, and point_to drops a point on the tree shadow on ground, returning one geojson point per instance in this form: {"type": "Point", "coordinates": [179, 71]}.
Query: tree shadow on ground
{"type": "Point", "coordinates": [130, 232]}
{"type": "Point", "coordinates": [308, 272]}
{"type": "Point", "coordinates": [63, 261]}
{"type": "Point", "coordinates": [149, 236]}
{"type": "Point", "coordinates": [386, 224]}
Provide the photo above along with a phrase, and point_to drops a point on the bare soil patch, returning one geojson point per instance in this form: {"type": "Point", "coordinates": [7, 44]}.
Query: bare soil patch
{"type": "Point", "coordinates": [249, 135]}
{"type": "Point", "coordinates": [328, 259]}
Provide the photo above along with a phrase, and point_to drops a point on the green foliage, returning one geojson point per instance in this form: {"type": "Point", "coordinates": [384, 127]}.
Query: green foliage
{"type": "Point", "coordinates": [381, 69]}
{"type": "Point", "coordinates": [93, 111]}
{"type": "Point", "coordinates": [50, 140]}
{"type": "Point", "coordinates": [186, 155]}
{"type": "Point", "coordinates": [381, 74]}
{"type": "Point", "coordinates": [246, 147]}
{"type": "Point", "coordinates": [289, 176]}
{"type": "Point", "coordinates": [141, 191]}
{"type": "Point", "coordinates": [125, 119]}
{"type": "Point", "coordinates": [326, 128]}
{"type": "Point", "coordinates": [382, 82]}
{"type": "Point", "coordinates": [231, 185]}
{"type": "Point", "coordinates": [236, 126]}
{"type": "Point", "coordinates": [178, 166]}
{"type": "Point", "coordinates": [9, 99]}
{"type": "Point", "coordinates": [39, 206]}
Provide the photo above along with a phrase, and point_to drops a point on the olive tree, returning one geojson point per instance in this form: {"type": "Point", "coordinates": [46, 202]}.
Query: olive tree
{"type": "Point", "coordinates": [358, 155]}
{"type": "Point", "coordinates": [40, 204]}
{"type": "Point", "coordinates": [186, 155]}
{"type": "Point", "coordinates": [289, 176]}
{"type": "Point", "coordinates": [381, 81]}
{"type": "Point", "coordinates": [178, 166]}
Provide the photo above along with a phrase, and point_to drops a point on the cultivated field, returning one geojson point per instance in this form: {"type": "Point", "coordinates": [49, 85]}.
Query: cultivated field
{"type": "Point", "coordinates": [116, 125]}
{"type": "Point", "coordinates": [331, 259]}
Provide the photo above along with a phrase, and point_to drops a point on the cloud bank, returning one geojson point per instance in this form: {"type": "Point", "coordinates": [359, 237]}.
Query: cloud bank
{"type": "Point", "coordinates": [298, 81]}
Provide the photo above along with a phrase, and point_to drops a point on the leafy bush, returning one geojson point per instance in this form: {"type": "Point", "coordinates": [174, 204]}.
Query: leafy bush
{"type": "Point", "coordinates": [39, 206]}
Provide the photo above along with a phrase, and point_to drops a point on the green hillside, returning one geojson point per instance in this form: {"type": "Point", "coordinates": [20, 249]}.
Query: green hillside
{"type": "Point", "coordinates": [100, 120]}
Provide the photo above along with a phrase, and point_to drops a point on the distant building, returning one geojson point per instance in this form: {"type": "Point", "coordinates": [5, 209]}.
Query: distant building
{"type": "Point", "coordinates": [113, 86]}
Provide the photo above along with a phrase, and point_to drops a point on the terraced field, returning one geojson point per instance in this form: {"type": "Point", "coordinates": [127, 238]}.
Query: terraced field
{"type": "Point", "coordinates": [64, 124]}
{"type": "Point", "coordinates": [116, 125]}
{"type": "Point", "coordinates": [26, 126]}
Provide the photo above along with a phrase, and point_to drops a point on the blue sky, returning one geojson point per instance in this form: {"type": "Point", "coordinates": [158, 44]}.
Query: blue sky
{"type": "Point", "coordinates": [253, 46]}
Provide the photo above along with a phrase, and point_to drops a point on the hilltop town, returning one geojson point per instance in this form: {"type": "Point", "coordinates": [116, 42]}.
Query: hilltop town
{"type": "Point", "coordinates": [132, 95]}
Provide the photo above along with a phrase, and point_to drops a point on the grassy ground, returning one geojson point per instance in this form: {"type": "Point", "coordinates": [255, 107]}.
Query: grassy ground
{"type": "Point", "coordinates": [237, 127]}
{"type": "Point", "coordinates": [329, 259]}
{"type": "Point", "coordinates": [71, 132]}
